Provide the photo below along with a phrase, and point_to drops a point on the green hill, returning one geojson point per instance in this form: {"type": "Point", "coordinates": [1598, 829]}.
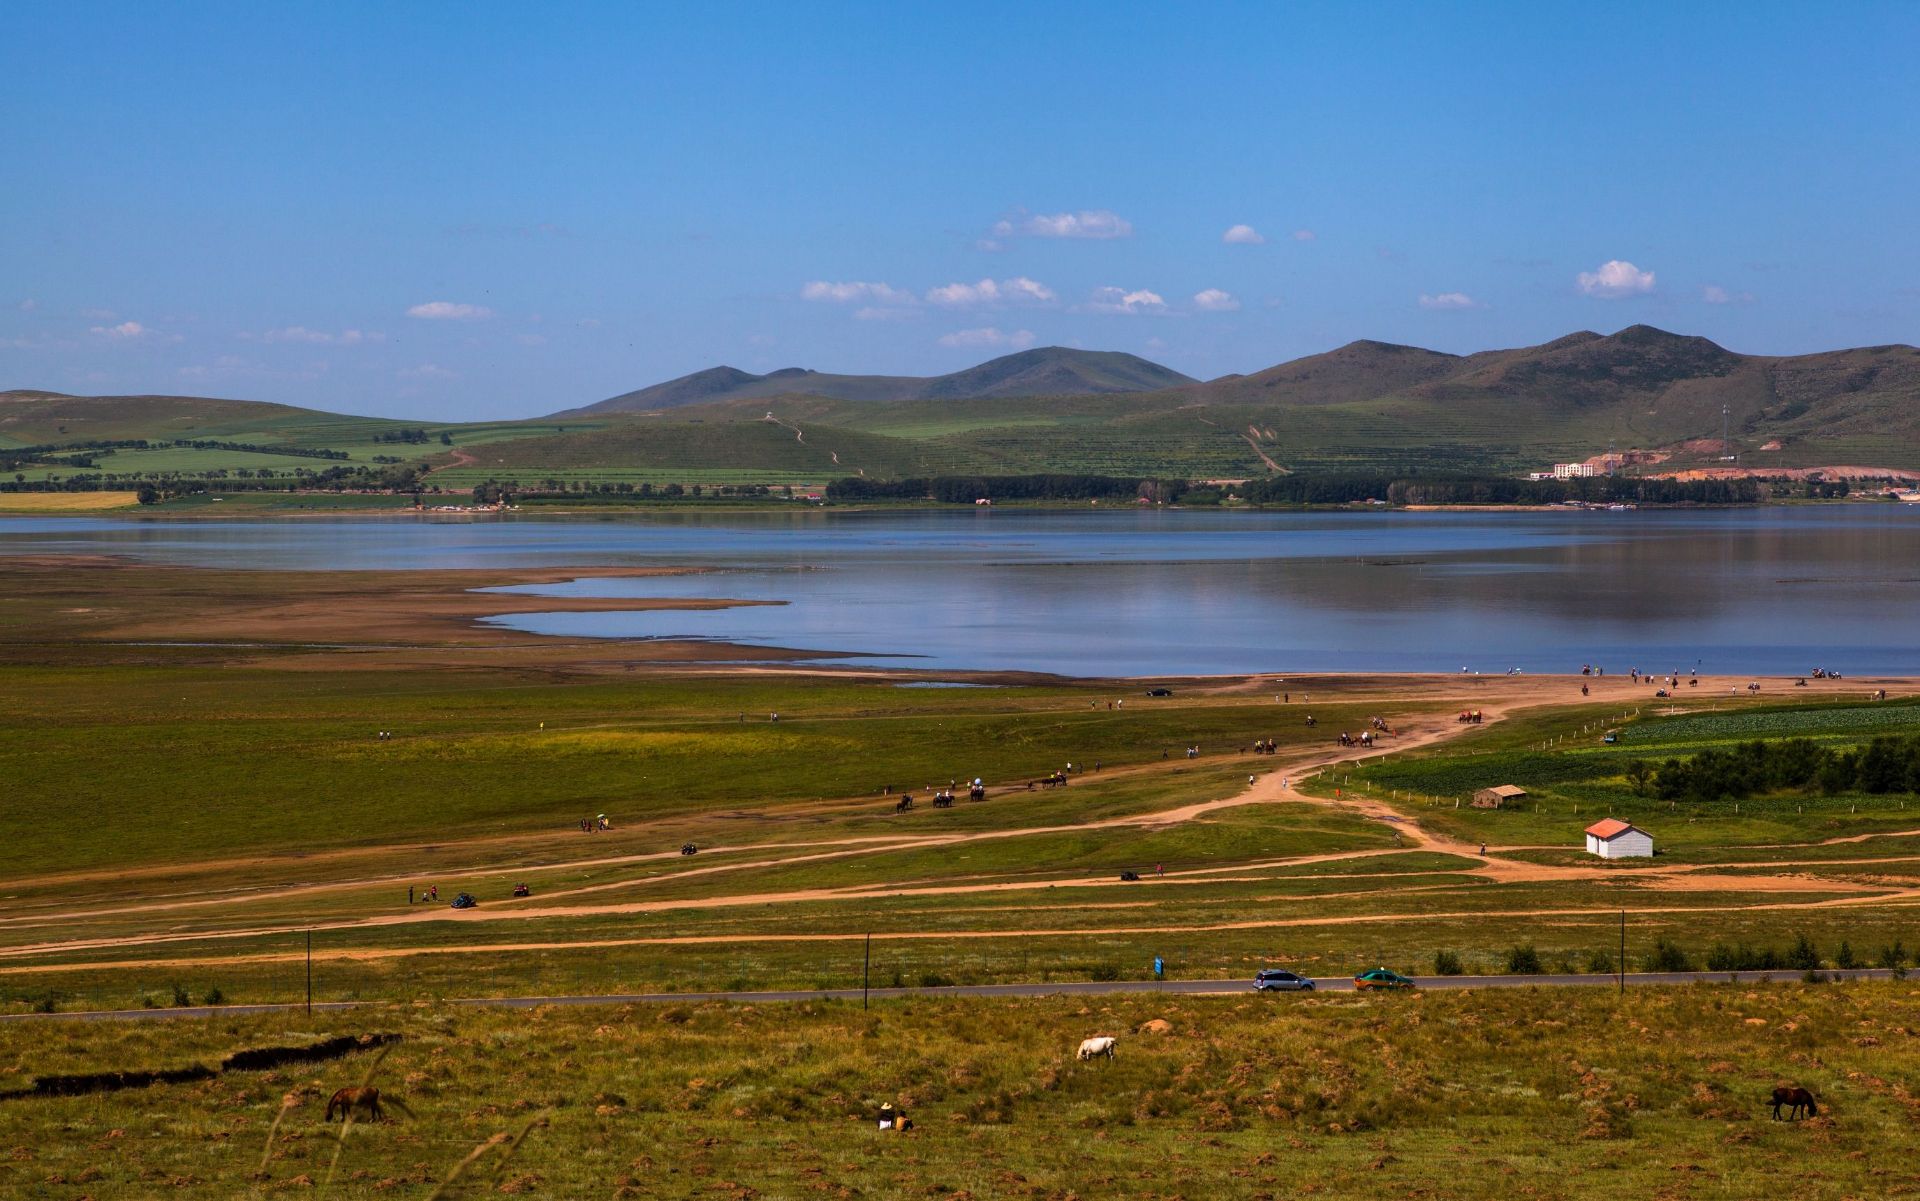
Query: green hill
{"type": "Point", "coordinates": [1048, 371]}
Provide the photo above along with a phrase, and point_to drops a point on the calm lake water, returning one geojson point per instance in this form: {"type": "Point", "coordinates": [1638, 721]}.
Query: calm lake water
{"type": "Point", "coordinates": [1774, 591]}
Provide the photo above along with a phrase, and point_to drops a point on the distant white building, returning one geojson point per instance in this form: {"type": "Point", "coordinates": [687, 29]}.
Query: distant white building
{"type": "Point", "coordinates": [1615, 839]}
{"type": "Point", "coordinates": [1572, 471]}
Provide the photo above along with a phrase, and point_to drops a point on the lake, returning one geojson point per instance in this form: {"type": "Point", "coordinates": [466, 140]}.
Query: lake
{"type": "Point", "coordinates": [1744, 591]}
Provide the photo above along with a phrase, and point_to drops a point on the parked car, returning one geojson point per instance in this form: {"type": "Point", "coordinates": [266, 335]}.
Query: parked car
{"type": "Point", "coordinates": [521, 890]}
{"type": "Point", "coordinates": [464, 901]}
{"type": "Point", "coordinates": [1380, 978]}
{"type": "Point", "coordinates": [1611, 737]}
{"type": "Point", "coordinates": [1129, 875]}
{"type": "Point", "coordinates": [1159, 692]}
{"type": "Point", "coordinates": [689, 849]}
{"type": "Point", "coordinates": [1280, 980]}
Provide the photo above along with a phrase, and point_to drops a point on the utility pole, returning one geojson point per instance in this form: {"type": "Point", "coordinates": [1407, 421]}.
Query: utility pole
{"type": "Point", "coordinates": [1622, 965]}
{"type": "Point", "coordinates": [866, 970]}
{"type": "Point", "coordinates": [309, 971]}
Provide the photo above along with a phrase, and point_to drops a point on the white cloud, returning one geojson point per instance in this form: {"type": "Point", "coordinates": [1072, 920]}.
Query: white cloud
{"type": "Point", "coordinates": [432, 371]}
{"type": "Point", "coordinates": [1715, 294]}
{"type": "Point", "coordinates": [986, 291]}
{"type": "Point", "coordinates": [1243, 235]}
{"type": "Point", "coordinates": [1086, 223]}
{"type": "Point", "coordinates": [317, 337]}
{"type": "Point", "coordinates": [1304, 235]}
{"type": "Point", "coordinates": [989, 336]}
{"type": "Point", "coordinates": [1615, 278]}
{"type": "Point", "coordinates": [842, 293]}
{"type": "Point", "coordinates": [448, 310]}
{"type": "Point", "coordinates": [1448, 300]}
{"type": "Point", "coordinates": [124, 331]}
{"type": "Point", "coordinates": [1119, 300]}
{"type": "Point", "coordinates": [1213, 300]}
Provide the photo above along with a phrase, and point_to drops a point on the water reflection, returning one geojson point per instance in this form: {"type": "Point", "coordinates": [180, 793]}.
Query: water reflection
{"type": "Point", "coordinates": [1771, 590]}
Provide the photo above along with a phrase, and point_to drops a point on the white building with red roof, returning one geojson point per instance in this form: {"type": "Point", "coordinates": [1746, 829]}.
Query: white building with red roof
{"type": "Point", "coordinates": [1615, 839]}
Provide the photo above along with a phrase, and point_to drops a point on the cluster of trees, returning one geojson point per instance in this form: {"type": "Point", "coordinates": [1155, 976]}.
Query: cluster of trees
{"type": "Point", "coordinates": [578, 490]}
{"type": "Point", "coordinates": [1598, 490]}
{"type": "Point", "coordinates": [1886, 764]}
{"type": "Point", "coordinates": [414, 435]}
{"type": "Point", "coordinates": [298, 452]}
{"type": "Point", "coordinates": [956, 489]}
{"type": "Point", "coordinates": [399, 477]}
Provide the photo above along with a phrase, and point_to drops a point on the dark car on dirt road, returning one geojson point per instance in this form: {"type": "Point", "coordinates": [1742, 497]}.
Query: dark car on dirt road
{"type": "Point", "coordinates": [1280, 980]}
{"type": "Point", "coordinates": [1159, 692]}
{"type": "Point", "coordinates": [1380, 978]}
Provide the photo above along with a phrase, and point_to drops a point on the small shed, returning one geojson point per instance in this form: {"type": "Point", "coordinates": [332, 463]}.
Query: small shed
{"type": "Point", "coordinates": [1615, 839]}
{"type": "Point", "coordinates": [1498, 795]}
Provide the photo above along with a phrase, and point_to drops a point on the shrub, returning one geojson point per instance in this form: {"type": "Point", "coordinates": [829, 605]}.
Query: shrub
{"type": "Point", "coordinates": [934, 980]}
{"type": "Point", "coordinates": [1804, 956]}
{"type": "Point", "coordinates": [214, 997]}
{"type": "Point", "coordinates": [1844, 957]}
{"type": "Point", "coordinates": [44, 1004]}
{"type": "Point", "coordinates": [1668, 956]}
{"type": "Point", "coordinates": [147, 1001]}
{"type": "Point", "coordinates": [180, 998]}
{"type": "Point", "coordinates": [1446, 963]}
{"type": "Point", "coordinates": [1104, 971]}
{"type": "Point", "coordinates": [1742, 958]}
{"type": "Point", "coordinates": [1894, 957]}
{"type": "Point", "coordinates": [1601, 962]}
{"type": "Point", "coordinates": [1523, 961]}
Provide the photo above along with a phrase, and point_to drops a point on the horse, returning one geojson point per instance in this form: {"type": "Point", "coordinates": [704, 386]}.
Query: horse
{"type": "Point", "coordinates": [1093, 1048]}
{"type": "Point", "coordinates": [347, 1100]}
{"type": "Point", "coordinates": [1799, 1102]}
{"type": "Point", "coordinates": [903, 804]}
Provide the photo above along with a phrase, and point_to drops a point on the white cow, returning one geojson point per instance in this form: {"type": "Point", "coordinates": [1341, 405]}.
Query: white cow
{"type": "Point", "coordinates": [1093, 1048]}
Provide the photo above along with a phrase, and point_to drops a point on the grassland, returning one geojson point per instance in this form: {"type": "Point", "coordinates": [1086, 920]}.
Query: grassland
{"type": "Point", "coordinates": [198, 780]}
{"type": "Point", "coordinates": [1460, 1096]}
{"type": "Point", "coordinates": [197, 784]}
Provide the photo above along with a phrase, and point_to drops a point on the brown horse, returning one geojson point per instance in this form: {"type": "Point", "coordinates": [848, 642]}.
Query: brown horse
{"type": "Point", "coordinates": [1799, 1102]}
{"type": "Point", "coordinates": [347, 1100]}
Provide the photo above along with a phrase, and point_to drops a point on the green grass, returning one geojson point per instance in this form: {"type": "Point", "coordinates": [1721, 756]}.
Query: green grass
{"type": "Point", "coordinates": [1461, 1096]}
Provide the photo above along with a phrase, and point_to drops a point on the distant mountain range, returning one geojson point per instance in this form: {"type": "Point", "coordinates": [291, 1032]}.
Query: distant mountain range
{"type": "Point", "coordinates": [1371, 406]}
{"type": "Point", "coordinates": [1046, 371]}
{"type": "Point", "coordinates": [1583, 370]}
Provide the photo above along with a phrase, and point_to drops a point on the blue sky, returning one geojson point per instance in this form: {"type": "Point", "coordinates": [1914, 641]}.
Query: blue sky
{"type": "Point", "coordinates": [492, 210]}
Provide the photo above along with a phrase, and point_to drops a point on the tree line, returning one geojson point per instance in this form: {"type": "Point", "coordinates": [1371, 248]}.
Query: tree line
{"type": "Point", "coordinates": [1336, 488]}
{"type": "Point", "coordinates": [1890, 763]}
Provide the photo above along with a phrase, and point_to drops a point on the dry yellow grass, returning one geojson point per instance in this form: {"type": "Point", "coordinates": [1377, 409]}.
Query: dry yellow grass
{"type": "Point", "coordinates": [65, 502]}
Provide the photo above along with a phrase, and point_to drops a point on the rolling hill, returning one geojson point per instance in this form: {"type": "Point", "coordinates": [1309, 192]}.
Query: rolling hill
{"type": "Point", "coordinates": [1046, 371]}
{"type": "Point", "coordinates": [1365, 406]}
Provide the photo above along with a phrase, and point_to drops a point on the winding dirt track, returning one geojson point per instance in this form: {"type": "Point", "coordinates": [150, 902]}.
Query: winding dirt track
{"type": "Point", "coordinates": [1276, 784]}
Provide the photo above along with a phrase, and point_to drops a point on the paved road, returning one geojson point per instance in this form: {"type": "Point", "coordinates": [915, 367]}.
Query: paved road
{"type": "Point", "coordinates": [1074, 989]}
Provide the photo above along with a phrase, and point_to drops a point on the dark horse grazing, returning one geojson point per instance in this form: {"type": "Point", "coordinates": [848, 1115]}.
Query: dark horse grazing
{"type": "Point", "coordinates": [347, 1100]}
{"type": "Point", "coordinates": [1799, 1102]}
